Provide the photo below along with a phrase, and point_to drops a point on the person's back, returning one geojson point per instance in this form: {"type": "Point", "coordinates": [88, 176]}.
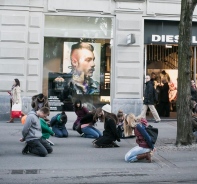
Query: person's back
{"type": "Point", "coordinates": [58, 123]}
{"type": "Point", "coordinates": [39, 101]}
{"type": "Point", "coordinates": [32, 134]}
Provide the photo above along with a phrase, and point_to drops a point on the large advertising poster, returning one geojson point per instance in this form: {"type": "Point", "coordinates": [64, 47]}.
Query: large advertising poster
{"type": "Point", "coordinates": [80, 76]}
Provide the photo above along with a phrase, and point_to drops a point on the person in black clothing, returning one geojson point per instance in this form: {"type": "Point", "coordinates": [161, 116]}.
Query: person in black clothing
{"type": "Point", "coordinates": [164, 104]}
{"type": "Point", "coordinates": [150, 96]}
{"type": "Point", "coordinates": [110, 134]}
{"type": "Point", "coordinates": [88, 122]}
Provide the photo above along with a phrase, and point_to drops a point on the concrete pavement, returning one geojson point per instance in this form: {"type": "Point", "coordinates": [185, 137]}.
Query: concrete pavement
{"type": "Point", "coordinates": [75, 160]}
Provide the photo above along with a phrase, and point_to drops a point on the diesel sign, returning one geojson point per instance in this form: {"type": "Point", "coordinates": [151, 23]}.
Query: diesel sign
{"type": "Point", "coordinates": [169, 38]}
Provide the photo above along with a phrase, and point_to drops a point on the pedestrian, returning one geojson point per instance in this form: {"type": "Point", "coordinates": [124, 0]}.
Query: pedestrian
{"type": "Point", "coordinates": [39, 101]}
{"type": "Point", "coordinates": [32, 133]}
{"type": "Point", "coordinates": [164, 103]}
{"type": "Point", "coordinates": [88, 124]}
{"type": "Point", "coordinates": [15, 97]}
{"type": "Point", "coordinates": [46, 131]}
{"type": "Point", "coordinates": [145, 147]}
{"type": "Point", "coordinates": [80, 111]}
{"type": "Point", "coordinates": [58, 124]}
{"type": "Point", "coordinates": [150, 97]}
{"type": "Point", "coordinates": [110, 134]}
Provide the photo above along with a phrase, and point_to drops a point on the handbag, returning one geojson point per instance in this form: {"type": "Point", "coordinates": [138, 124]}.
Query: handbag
{"type": "Point", "coordinates": [16, 110]}
{"type": "Point", "coordinates": [152, 132]}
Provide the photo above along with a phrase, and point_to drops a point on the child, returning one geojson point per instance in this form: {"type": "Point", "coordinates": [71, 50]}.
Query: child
{"type": "Point", "coordinates": [46, 131]}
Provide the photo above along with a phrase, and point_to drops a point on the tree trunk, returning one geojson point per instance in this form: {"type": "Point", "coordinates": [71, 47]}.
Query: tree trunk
{"type": "Point", "coordinates": [184, 125]}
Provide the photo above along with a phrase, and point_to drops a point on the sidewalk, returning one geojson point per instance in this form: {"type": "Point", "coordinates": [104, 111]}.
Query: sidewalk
{"type": "Point", "coordinates": [75, 160]}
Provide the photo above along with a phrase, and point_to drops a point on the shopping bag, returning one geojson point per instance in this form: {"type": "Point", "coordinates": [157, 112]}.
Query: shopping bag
{"type": "Point", "coordinates": [16, 111]}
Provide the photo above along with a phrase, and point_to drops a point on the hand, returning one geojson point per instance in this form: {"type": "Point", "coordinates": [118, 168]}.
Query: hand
{"type": "Point", "coordinates": [22, 140]}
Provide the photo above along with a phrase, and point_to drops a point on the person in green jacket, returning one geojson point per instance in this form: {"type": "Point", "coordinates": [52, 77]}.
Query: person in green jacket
{"type": "Point", "coordinates": [46, 131]}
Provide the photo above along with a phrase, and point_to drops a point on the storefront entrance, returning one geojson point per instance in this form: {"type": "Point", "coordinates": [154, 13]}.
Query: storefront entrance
{"type": "Point", "coordinates": [161, 59]}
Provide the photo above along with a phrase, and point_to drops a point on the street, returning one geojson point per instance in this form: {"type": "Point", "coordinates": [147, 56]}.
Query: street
{"type": "Point", "coordinates": [75, 160]}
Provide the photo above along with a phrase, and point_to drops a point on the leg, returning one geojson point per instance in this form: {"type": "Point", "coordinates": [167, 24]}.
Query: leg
{"type": "Point", "coordinates": [36, 147]}
{"type": "Point", "coordinates": [46, 145]}
{"type": "Point", "coordinates": [143, 113]}
{"type": "Point", "coordinates": [58, 133]}
{"type": "Point", "coordinates": [131, 156]}
{"type": "Point", "coordinates": [89, 132]}
{"type": "Point", "coordinates": [98, 131]}
{"type": "Point", "coordinates": [64, 132]}
{"type": "Point", "coordinates": [154, 112]}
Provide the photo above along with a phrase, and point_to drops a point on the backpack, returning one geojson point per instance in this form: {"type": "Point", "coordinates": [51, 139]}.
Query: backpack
{"type": "Point", "coordinates": [152, 132]}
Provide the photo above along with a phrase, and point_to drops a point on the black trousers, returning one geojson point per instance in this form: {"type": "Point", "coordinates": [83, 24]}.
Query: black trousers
{"type": "Point", "coordinates": [39, 147]}
{"type": "Point", "coordinates": [164, 109]}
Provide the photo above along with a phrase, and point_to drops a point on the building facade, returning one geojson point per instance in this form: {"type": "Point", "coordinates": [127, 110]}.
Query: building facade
{"type": "Point", "coordinates": [37, 36]}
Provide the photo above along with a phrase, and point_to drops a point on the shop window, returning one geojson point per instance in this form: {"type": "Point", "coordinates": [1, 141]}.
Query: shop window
{"type": "Point", "coordinates": [76, 69]}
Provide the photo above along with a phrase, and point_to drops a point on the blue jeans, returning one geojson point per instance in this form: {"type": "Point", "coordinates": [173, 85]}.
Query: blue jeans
{"type": "Point", "coordinates": [91, 132]}
{"type": "Point", "coordinates": [131, 155]}
{"type": "Point", "coordinates": [60, 132]}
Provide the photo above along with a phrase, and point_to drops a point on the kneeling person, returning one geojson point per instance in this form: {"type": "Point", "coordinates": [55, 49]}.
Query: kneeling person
{"type": "Point", "coordinates": [32, 134]}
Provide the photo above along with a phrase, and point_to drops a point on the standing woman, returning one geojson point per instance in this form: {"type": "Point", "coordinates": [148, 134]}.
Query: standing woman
{"type": "Point", "coordinates": [145, 146]}
{"type": "Point", "coordinates": [15, 96]}
{"type": "Point", "coordinates": [110, 134]}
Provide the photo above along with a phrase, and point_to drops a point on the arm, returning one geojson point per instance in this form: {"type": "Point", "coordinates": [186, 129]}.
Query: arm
{"type": "Point", "coordinates": [27, 126]}
{"type": "Point", "coordinates": [53, 120]}
{"type": "Point", "coordinates": [18, 94]}
{"type": "Point", "coordinates": [142, 130]}
{"type": "Point", "coordinates": [45, 127]}
{"type": "Point", "coordinates": [85, 110]}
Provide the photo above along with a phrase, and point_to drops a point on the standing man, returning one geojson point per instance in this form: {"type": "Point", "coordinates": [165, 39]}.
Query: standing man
{"type": "Point", "coordinates": [150, 97]}
{"type": "Point", "coordinates": [83, 67]}
{"type": "Point", "coordinates": [32, 133]}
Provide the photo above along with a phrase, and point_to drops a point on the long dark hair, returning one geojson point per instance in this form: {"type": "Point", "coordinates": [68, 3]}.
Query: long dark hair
{"type": "Point", "coordinates": [17, 82]}
{"type": "Point", "coordinates": [63, 117]}
{"type": "Point", "coordinates": [111, 116]}
{"type": "Point", "coordinates": [75, 104]}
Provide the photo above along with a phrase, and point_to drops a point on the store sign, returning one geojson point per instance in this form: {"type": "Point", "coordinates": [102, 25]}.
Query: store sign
{"type": "Point", "coordinates": [169, 38]}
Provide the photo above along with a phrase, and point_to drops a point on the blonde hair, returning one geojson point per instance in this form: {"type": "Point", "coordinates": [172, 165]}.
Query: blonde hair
{"type": "Point", "coordinates": [129, 124]}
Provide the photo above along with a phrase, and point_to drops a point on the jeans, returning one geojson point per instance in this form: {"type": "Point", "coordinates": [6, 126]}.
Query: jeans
{"type": "Point", "coordinates": [60, 132]}
{"type": "Point", "coordinates": [91, 132]}
{"type": "Point", "coordinates": [131, 155]}
{"type": "Point", "coordinates": [39, 147]}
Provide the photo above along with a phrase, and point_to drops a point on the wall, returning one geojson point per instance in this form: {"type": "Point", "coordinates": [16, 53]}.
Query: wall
{"type": "Point", "coordinates": [21, 46]}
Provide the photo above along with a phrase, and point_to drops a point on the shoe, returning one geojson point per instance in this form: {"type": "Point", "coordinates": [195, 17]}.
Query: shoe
{"type": "Point", "coordinates": [157, 121]}
{"type": "Point", "coordinates": [82, 135]}
{"type": "Point", "coordinates": [51, 143]}
{"type": "Point", "coordinates": [25, 150]}
{"type": "Point", "coordinates": [115, 145]}
{"type": "Point", "coordinates": [11, 120]}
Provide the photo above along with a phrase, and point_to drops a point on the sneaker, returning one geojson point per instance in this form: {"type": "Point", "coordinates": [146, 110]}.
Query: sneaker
{"type": "Point", "coordinates": [157, 121]}
{"type": "Point", "coordinates": [51, 143]}
{"type": "Point", "coordinates": [82, 135]}
{"type": "Point", "coordinates": [25, 150]}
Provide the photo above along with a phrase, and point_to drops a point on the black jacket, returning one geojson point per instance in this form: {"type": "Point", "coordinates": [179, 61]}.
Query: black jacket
{"type": "Point", "coordinates": [110, 129]}
{"type": "Point", "coordinates": [149, 94]}
{"type": "Point", "coordinates": [88, 118]}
